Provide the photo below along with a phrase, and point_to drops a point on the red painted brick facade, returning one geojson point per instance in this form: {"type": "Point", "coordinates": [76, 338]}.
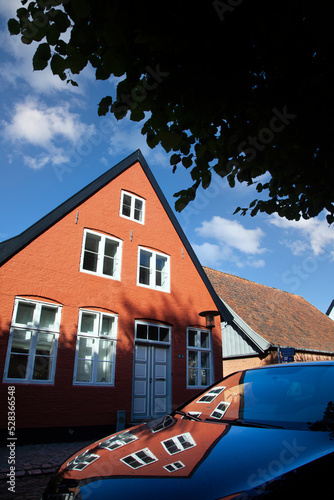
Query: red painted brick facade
{"type": "Point", "coordinates": [48, 269]}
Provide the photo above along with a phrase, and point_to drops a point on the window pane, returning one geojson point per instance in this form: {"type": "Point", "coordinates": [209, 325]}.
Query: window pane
{"type": "Point", "coordinates": [110, 248]}
{"type": "Point", "coordinates": [17, 366]}
{"type": "Point", "coordinates": [205, 360]}
{"type": "Point", "coordinates": [108, 266]}
{"type": "Point", "coordinates": [138, 213]}
{"type": "Point", "coordinates": [144, 276]}
{"type": "Point", "coordinates": [205, 377]}
{"type": "Point", "coordinates": [160, 262]}
{"type": "Point", "coordinates": [25, 313]}
{"type": "Point", "coordinates": [141, 331]}
{"type": "Point", "coordinates": [164, 334]}
{"type": "Point", "coordinates": [107, 325]}
{"type": "Point", "coordinates": [21, 341]}
{"type": "Point", "coordinates": [85, 348]}
{"type": "Point", "coordinates": [104, 372]}
{"type": "Point", "coordinates": [192, 368]}
{"type": "Point", "coordinates": [126, 208]}
{"type": "Point", "coordinates": [205, 340]}
{"type": "Point", "coordinates": [153, 333]}
{"type": "Point", "coordinates": [92, 243]}
{"type": "Point", "coordinates": [48, 317]}
{"type": "Point", "coordinates": [91, 252]}
{"type": "Point", "coordinates": [84, 370]}
{"type": "Point", "coordinates": [42, 368]}
{"type": "Point", "coordinates": [192, 338]}
{"type": "Point", "coordinates": [192, 379]}
{"type": "Point", "coordinates": [87, 322]}
{"type": "Point", "coordinates": [105, 350]}
{"type": "Point", "coordinates": [145, 258]}
{"type": "Point", "coordinates": [45, 343]}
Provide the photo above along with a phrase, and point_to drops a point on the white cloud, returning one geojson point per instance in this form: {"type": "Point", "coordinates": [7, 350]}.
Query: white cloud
{"type": "Point", "coordinates": [50, 130]}
{"type": "Point", "coordinates": [233, 243]}
{"type": "Point", "coordinates": [35, 123]}
{"type": "Point", "coordinates": [233, 234]}
{"type": "Point", "coordinates": [314, 235]}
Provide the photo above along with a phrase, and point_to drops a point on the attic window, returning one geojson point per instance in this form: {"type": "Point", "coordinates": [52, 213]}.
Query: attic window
{"type": "Point", "coordinates": [132, 207]}
{"type": "Point", "coordinates": [101, 255]}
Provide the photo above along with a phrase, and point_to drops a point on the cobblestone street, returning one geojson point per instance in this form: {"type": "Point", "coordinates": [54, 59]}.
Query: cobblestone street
{"type": "Point", "coordinates": [34, 466]}
{"type": "Point", "coordinates": [26, 488]}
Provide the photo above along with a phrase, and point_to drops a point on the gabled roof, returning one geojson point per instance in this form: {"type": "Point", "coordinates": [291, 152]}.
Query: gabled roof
{"type": "Point", "coordinates": [281, 318]}
{"type": "Point", "coordinates": [12, 246]}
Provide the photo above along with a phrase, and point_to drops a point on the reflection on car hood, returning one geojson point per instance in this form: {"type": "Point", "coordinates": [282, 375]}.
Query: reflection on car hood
{"type": "Point", "coordinates": [197, 459]}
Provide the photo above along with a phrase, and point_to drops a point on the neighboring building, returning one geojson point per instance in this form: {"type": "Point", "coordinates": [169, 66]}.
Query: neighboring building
{"type": "Point", "coordinates": [330, 310]}
{"type": "Point", "coordinates": [265, 322]}
{"type": "Point", "coordinates": [100, 304]}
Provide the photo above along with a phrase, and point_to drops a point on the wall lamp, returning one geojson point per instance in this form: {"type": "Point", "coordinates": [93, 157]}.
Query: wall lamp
{"type": "Point", "coordinates": [209, 318]}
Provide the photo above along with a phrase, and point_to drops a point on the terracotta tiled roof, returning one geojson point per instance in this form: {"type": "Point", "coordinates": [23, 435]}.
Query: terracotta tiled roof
{"type": "Point", "coordinates": [281, 318]}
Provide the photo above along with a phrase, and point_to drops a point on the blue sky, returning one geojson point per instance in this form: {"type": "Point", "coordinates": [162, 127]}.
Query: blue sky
{"type": "Point", "coordinates": [53, 144]}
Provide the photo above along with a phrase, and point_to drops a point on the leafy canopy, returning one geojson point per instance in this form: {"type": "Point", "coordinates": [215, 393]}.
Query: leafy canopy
{"type": "Point", "coordinates": [240, 87]}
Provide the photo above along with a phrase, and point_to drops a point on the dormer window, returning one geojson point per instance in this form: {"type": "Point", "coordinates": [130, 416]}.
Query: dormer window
{"type": "Point", "coordinates": [132, 207]}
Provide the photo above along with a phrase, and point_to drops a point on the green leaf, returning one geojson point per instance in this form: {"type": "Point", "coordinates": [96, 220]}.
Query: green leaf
{"type": "Point", "coordinates": [13, 27]}
{"type": "Point", "coordinates": [52, 35]}
{"type": "Point", "coordinates": [58, 65]}
{"type": "Point", "coordinates": [175, 158]}
{"type": "Point", "coordinates": [41, 57]}
{"type": "Point", "coordinates": [181, 203]}
{"type": "Point", "coordinates": [104, 105]}
{"type": "Point", "coordinates": [187, 161]}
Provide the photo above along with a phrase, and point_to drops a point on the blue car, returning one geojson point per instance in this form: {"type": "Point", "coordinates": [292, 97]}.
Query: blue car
{"type": "Point", "coordinates": [258, 433]}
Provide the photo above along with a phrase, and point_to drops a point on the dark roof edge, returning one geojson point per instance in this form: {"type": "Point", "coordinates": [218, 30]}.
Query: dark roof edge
{"type": "Point", "coordinates": [12, 246]}
{"type": "Point", "coordinates": [224, 312]}
{"type": "Point", "coordinates": [331, 307]}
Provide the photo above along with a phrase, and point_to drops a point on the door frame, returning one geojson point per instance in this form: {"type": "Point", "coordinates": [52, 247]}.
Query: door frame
{"type": "Point", "coordinates": [148, 342]}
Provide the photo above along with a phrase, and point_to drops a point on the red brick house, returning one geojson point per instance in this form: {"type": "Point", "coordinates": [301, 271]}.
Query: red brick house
{"type": "Point", "coordinates": [100, 303]}
{"type": "Point", "coordinates": [265, 321]}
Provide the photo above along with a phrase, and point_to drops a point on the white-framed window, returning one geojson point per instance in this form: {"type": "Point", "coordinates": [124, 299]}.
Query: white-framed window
{"type": "Point", "coordinates": [209, 396]}
{"type": "Point", "coordinates": [132, 207]}
{"type": "Point", "coordinates": [199, 358]}
{"type": "Point", "coordinates": [152, 332]}
{"type": "Point", "coordinates": [33, 341]}
{"type": "Point", "coordinates": [101, 255]}
{"type": "Point", "coordinates": [174, 466]}
{"type": "Point", "coordinates": [179, 443]}
{"type": "Point", "coordinates": [96, 349]}
{"type": "Point", "coordinates": [220, 410]}
{"type": "Point", "coordinates": [139, 459]}
{"type": "Point", "coordinates": [118, 441]}
{"type": "Point", "coordinates": [80, 462]}
{"type": "Point", "coordinates": [153, 269]}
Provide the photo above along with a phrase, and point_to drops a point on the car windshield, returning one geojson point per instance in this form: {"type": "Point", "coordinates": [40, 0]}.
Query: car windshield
{"type": "Point", "coordinates": [290, 397]}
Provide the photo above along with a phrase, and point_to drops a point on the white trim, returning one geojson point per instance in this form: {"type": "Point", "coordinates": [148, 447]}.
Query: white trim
{"type": "Point", "coordinates": [100, 255]}
{"type": "Point", "coordinates": [177, 441]}
{"type": "Point", "coordinates": [198, 350]}
{"type": "Point", "coordinates": [152, 270]}
{"type": "Point", "coordinates": [32, 329]}
{"type": "Point", "coordinates": [95, 336]}
{"type": "Point", "coordinates": [133, 197]}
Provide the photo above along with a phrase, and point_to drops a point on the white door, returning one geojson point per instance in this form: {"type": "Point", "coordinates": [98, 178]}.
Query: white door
{"type": "Point", "coordinates": [151, 388]}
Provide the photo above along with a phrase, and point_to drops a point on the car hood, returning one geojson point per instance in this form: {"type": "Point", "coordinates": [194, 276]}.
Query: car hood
{"type": "Point", "coordinates": [197, 459]}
